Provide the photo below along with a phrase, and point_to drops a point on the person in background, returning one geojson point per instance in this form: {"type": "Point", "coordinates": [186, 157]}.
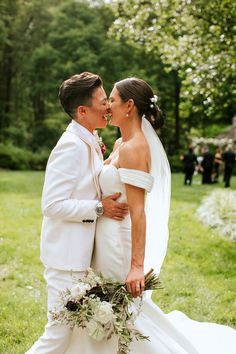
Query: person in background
{"type": "Point", "coordinates": [217, 163]}
{"type": "Point", "coordinates": [207, 166]}
{"type": "Point", "coordinates": [229, 159]}
{"type": "Point", "coordinates": [189, 161]}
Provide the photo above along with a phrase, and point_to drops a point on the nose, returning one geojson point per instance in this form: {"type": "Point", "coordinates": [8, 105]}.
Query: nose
{"type": "Point", "coordinates": [108, 108]}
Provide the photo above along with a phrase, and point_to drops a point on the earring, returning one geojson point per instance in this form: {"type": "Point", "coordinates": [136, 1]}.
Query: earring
{"type": "Point", "coordinates": [127, 114]}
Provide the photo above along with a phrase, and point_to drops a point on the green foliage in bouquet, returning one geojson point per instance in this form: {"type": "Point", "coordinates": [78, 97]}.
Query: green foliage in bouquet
{"type": "Point", "coordinates": [104, 307]}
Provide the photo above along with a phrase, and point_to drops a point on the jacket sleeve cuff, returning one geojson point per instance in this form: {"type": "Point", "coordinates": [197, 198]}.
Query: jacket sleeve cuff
{"type": "Point", "coordinates": [72, 210]}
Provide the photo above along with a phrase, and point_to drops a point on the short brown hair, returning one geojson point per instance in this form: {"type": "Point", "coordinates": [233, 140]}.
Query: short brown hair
{"type": "Point", "coordinates": [78, 90]}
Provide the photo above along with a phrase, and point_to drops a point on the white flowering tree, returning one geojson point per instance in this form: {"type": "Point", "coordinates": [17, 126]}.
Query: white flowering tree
{"type": "Point", "coordinates": [198, 142]}
{"type": "Point", "coordinates": [195, 40]}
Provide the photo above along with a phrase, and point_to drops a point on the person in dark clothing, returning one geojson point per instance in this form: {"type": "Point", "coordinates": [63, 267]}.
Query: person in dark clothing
{"type": "Point", "coordinates": [190, 161]}
{"type": "Point", "coordinates": [217, 163]}
{"type": "Point", "coordinates": [207, 166]}
{"type": "Point", "coordinates": [229, 159]}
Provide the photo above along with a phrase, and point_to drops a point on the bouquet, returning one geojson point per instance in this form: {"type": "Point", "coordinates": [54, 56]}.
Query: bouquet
{"type": "Point", "coordinates": [104, 307]}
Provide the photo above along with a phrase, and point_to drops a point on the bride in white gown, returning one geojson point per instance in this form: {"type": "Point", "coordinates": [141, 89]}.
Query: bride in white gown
{"type": "Point", "coordinates": [125, 249]}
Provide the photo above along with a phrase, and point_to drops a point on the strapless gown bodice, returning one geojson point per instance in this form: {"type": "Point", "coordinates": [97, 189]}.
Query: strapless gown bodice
{"type": "Point", "coordinates": [112, 180]}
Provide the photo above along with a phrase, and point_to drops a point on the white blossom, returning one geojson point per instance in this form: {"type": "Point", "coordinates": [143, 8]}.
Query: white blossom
{"type": "Point", "coordinates": [95, 329]}
{"type": "Point", "coordinates": [79, 290]}
{"type": "Point", "coordinates": [154, 99]}
{"type": "Point", "coordinates": [104, 312]}
{"type": "Point", "coordinates": [218, 210]}
{"type": "Point", "coordinates": [91, 278]}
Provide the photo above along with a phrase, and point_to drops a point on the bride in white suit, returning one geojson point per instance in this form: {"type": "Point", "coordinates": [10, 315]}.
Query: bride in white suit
{"type": "Point", "coordinates": [125, 250]}
{"type": "Point", "coordinates": [71, 199]}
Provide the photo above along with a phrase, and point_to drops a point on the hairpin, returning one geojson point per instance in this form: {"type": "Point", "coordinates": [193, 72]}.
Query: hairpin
{"type": "Point", "coordinates": [153, 100]}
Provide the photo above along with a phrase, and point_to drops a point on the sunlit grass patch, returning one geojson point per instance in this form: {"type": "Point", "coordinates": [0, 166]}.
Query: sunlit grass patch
{"type": "Point", "coordinates": [198, 275]}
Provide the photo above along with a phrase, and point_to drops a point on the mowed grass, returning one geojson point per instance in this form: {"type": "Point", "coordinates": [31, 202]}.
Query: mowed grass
{"type": "Point", "coordinates": [198, 276]}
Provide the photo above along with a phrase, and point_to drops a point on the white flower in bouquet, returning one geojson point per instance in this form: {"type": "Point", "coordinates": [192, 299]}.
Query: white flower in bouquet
{"type": "Point", "coordinates": [95, 330]}
{"type": "Point", "coordinates": [104, 312]}
{"type": "Point", "coordinates": [91, 278]}
{"type": "Point", "coordinates": [79, 290]}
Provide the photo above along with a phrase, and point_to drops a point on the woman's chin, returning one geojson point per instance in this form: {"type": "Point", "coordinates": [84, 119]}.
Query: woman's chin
{"type": "Point", "coordinates": [113, 122]}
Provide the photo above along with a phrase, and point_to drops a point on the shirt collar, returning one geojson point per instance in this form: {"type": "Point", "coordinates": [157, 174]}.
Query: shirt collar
{"type": "Point", "coordinates": [83, 132]}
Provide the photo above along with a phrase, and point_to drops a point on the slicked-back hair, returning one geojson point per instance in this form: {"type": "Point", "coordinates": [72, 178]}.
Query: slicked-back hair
{"type": "Point", "coordinates": [77, 91]}
{"type": "Point", "coordinates": [141, 93]}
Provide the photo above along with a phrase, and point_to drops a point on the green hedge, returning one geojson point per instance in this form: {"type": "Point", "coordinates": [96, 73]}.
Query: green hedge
{"type": "Point", "coordinates": [176, 164]}
{"type": "Point", "coordinates": [15, 158]}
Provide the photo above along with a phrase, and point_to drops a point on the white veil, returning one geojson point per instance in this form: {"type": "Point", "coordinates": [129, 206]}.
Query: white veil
{"type": "Point", "coordinates": [157, 202]}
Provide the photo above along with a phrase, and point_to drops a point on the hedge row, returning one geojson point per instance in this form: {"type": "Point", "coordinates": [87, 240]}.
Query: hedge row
{"type": "Point", "coordinates": [15, 158]}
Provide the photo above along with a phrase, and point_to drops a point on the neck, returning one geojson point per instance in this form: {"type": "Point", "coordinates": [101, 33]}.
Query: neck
{"type": "Point", "coordinates": [130, 128]}
{"type": "Point", "coordinates": [85, 125]}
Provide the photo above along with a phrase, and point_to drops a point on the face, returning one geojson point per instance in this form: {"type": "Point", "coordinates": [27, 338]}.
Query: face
{"type": "Point", "coordinates": [117, 108]}
{"type": "Point", "coordinates": [96, 113]}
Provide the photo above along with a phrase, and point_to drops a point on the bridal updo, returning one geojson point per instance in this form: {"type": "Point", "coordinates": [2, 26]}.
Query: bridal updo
{"type": "Point", "coordinates": [142, 95]}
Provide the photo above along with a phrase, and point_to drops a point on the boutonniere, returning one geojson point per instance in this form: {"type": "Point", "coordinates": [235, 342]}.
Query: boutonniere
{"type": "Point", "coordinates": [100, 142]}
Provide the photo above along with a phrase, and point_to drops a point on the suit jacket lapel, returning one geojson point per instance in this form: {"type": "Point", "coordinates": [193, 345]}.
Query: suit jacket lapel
{"type": "Point", "coordinates": [84, 135]}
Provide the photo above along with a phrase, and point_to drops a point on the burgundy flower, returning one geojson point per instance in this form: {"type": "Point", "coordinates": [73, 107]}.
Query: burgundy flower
{"type": "Point", "coordinates": [71, 306]}
{"type": "Point", "coordinates": [103, 148]}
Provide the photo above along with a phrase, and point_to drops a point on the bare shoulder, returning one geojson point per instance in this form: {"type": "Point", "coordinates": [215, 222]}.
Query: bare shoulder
{"type": "Point", "coordinates": [135, 154]}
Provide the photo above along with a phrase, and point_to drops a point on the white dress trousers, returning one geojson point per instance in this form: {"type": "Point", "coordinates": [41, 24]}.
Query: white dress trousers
{"type": "Point", "coordinates": [55, 338]}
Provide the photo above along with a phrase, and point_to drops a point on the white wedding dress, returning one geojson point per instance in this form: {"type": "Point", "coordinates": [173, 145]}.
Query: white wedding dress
{"type": "Point", "coordinates": [172, 333]}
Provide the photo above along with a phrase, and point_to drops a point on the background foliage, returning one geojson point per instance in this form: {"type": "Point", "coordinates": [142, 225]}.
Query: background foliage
{"type": "Point", "coordinates": [183, 48]}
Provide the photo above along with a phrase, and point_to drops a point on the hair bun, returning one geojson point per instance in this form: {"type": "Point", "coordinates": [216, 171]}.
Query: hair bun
{"type": "Point", "coordinates": [156, 117]}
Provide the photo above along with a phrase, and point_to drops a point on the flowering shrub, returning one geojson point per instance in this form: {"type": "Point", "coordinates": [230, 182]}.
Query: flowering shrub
{"type": "Point", "coordinates": [211, 141]}
{"type": "Point", "coordinates": [218, 210]}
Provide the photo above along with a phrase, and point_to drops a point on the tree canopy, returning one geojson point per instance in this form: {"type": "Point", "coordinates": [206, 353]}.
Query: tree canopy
{"type": "Point", "coordinates": [183, 48]}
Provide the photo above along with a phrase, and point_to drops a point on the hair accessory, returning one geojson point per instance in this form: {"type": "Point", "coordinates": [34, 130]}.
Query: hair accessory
{"type": "Point", "coordinates": [153, 100]}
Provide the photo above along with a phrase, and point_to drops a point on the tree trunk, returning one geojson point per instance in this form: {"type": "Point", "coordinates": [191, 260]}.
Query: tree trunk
{"type": "Point", "coordinates": [38, 104]}
{"type": "Point", "coordinates": [5, 89]}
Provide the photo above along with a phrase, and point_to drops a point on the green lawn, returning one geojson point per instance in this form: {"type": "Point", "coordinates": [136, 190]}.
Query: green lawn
{"type": "Point", "coordinates": [198, 276]}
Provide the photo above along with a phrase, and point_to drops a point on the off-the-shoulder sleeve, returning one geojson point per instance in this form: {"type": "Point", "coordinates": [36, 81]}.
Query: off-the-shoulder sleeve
{"type": "Point", "coordinates": [136, 178]}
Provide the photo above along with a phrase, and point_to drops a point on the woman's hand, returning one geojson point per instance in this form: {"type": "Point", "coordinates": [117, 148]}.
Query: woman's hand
{"type": "Point", "coordinates": [135, 281]}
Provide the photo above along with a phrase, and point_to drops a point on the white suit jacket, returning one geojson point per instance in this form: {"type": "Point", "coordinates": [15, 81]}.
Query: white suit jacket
{"type": "Point", "coordinates": [70, 194]}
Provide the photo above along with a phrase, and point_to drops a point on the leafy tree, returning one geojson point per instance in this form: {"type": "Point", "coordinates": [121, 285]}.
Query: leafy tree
{"type": "Point", "coordinates": [195, 41]}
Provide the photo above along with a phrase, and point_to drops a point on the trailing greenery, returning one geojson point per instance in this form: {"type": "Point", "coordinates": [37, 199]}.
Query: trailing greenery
{"type": "Point", "coordinates": [198, 275]}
